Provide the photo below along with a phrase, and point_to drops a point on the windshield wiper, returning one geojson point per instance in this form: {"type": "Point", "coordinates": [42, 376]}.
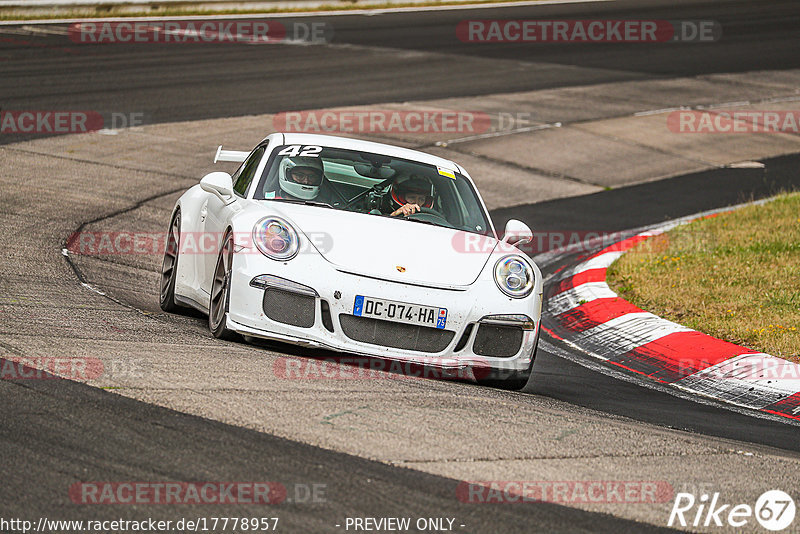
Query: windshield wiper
{"type": "Point", "coordinates": [306, 202]}
{"type": "Point", "coordinates": [425, 222]}
{"type": "Point", "coordinates": [320, 204]}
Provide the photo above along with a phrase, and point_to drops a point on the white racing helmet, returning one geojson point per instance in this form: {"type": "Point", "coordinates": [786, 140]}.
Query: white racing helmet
{"type": "Point", "coordinates": [301, 177]}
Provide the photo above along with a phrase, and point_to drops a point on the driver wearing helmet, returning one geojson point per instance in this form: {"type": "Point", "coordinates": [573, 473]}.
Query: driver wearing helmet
{"type": "Point", "coordinates": [300, 177]}
{"type": "Point", "coordinates": [409, 194]}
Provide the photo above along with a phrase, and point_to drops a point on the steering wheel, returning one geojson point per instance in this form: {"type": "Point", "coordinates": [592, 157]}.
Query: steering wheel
{"type": "Point", "coordinates": [427, 214]}
{"type": "Point", "coordinates": [429, 211]}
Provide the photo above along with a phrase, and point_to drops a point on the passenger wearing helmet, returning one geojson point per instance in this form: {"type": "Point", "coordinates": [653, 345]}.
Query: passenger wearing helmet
{"type": "Point", "coordinates": [300, 177]}
{"type": "Point", "coordinates": [409, 194]}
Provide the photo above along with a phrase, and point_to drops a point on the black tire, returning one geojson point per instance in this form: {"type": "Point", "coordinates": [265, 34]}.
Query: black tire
{"type": "Point", "coordinates": [514, 381]}
{"type": "Point", "coordinates": [220, 292]}
{"type": "Point", "coordinates": [169, 268]}
{"type": "Point", "coordinates": [510, 380]}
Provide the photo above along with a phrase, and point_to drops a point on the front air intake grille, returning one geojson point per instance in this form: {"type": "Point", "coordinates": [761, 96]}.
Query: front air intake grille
{"type": "Point", "coordinates": [395, 335]}
{"type": "Point", "coordinates": [289, 308]}
{"type": "Point", "coordinates": [462, 342]}
{"type": "Point", "coordinates": [327, 321]}
{"type": "Point", "coordinates": [497, 341]}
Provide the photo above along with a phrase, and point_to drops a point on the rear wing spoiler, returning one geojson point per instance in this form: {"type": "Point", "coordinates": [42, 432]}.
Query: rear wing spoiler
{"type": "Point", "coordinates": [230, 155]}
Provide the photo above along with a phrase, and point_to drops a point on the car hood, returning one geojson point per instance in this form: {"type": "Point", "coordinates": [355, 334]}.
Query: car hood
{"type": "Point", "coordinates": [392, 249]}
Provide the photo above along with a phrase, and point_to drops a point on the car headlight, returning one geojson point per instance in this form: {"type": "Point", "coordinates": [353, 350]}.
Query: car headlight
{"type": "Point", "coordinates": [275, 238]}
{"type": "Point", "coordinates": [514, 276]}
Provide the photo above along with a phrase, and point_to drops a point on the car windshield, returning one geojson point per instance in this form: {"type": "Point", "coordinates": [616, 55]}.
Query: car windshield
{"type": "Point", "coordinates": [372, 184]}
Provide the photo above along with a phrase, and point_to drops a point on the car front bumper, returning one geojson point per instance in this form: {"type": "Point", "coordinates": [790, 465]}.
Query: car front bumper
{"type": "Point", "coordinates": [324, 297]}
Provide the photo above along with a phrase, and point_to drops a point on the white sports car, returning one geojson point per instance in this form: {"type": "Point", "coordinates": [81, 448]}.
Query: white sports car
{"type": "Point", "coordinates": [358, 247]}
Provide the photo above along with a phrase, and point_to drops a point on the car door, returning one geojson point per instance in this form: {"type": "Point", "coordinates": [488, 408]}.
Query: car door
{"type": "Point", "coordinates": [218, 213]}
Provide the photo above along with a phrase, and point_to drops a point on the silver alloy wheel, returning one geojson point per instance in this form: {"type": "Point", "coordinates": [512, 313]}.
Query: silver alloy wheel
{"type": "Point", "coordinates": [218, 306]}
{"type": "Point", "coordinates": [169, 267]}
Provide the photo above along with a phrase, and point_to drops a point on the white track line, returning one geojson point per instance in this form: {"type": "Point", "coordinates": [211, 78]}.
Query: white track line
{"type": "Point", "coordinates": [750, 380]}
{"type": "Point", "coordinates": [630, 331]}
{"type": "Point", "coordinates": [572, 298]}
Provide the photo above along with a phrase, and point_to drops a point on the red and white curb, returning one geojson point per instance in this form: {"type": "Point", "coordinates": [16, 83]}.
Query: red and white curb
{"type": "Point", "coordinates": [589, 316]}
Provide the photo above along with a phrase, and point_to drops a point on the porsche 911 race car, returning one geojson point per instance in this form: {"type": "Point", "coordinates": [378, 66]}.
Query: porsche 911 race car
{"type": "Point", "coordinates": [358, 247]}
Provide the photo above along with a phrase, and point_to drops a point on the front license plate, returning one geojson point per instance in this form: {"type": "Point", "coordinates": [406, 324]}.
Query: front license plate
{"type": "Point", "coordinates": [400, 312]}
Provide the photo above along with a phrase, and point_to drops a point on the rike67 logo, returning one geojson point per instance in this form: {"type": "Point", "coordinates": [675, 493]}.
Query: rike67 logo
{"type": "Point", "coordinates": [774, 510]}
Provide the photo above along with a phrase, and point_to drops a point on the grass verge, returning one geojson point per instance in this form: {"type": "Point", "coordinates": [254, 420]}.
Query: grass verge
{"type": "Point", "coordinates": [735, 276]}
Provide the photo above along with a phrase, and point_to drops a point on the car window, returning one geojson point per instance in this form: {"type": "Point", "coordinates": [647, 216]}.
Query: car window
{"type": "Point", "coordinates": [365, 183]}
{"type": "Point", "coordinates": [247, 171]}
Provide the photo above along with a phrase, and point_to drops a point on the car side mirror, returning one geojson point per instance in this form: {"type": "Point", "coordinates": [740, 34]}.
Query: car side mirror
{"type": "Point", "coordinates": [517, 233]}
{"type": "Point", "coordinates": [219, 183]}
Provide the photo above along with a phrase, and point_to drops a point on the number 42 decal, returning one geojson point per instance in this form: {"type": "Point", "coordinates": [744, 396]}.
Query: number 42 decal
{"type": "Point", "coordinates": [308, 151]}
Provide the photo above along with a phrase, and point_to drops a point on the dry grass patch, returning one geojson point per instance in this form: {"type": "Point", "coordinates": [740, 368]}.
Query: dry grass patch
{"type": "Point", "coordinates": [735, 276]}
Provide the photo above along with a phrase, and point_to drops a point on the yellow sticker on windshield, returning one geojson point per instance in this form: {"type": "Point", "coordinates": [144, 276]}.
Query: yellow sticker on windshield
{"type": "Point", "coordinates": [445, 172]}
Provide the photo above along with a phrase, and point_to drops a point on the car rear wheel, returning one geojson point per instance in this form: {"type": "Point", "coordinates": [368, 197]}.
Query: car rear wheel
{"type": "Point", "coordinates": [169, 267]}
{"type": "Point", "coordinates": [220, 292]}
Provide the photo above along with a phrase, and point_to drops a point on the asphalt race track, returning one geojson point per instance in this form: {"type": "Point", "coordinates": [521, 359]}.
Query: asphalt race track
{"type": "Point", "coordinates": [242, 80]}
{"type": "Point", "coordinates": [403, 446]}
{"type": "Point", "coordinates": [64, 427]}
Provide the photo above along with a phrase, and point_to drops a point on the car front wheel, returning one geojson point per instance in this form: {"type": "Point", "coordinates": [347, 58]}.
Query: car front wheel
{"type": "Point", "coordinates": [220, 292]}
{"type": "Point", "coordinates": [510, 380]}
{"type": "Point", "coordinates": [169, 267]}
